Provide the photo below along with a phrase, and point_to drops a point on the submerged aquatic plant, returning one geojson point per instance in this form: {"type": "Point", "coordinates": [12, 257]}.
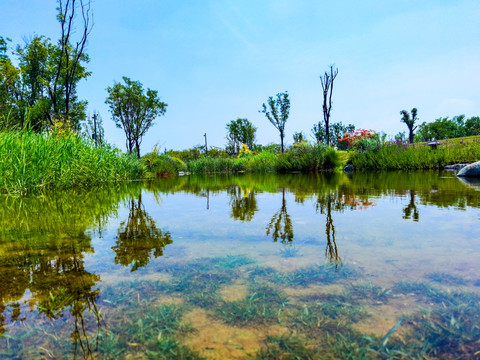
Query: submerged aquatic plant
{"type": "Point", "coordinates": [285, 347]}
{"type": "Point", "coordinates": [263, 303]}
{"type": "Point", "coordinates": [368, 291]}
{"type": "Point", "coordinates": [289, 251]}
{"type": "Point", "coordinates": [446, 279]}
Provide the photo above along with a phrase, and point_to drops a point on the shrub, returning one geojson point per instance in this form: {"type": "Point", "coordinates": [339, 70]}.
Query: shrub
{"type": "Point", "coordinates": [350, 139]}
{"type": "Point", "coordinates": [305, 157]}
{"type": "Point", "coordinates": [162, 165]}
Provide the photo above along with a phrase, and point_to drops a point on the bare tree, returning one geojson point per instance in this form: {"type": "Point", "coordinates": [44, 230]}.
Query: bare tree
{"type": "Point", "coordinates": [327, 87]}
{"type": "Point", "coordinates": [71, 52]}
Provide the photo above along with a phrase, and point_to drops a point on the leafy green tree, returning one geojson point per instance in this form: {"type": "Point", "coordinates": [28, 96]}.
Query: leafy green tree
{"type": "Point", "coordinates": [36, 95]}
{"type": "Point", "coordinates": [240, 131]}
{"type": "Point", "coordinates": [134, 110]}
{"type": "Point", "coordinates": [277, 113]}
{"type": "Point", "coordinates": [445, 128]}
{"type": "Point", "coordinates": [337, 131]}
{"type": "Point", "coordinates": [298, 136]}
{"type": "Point", "coordinates": [472, 126]}
{"type": "Point", "coordinates": [410, 122]}
{"type": "Point", "coordinates": [93, 129]}
{"type": "Point", "coordinates": [9, 89]}
{"type": "Point", "coordinates": [43, 88]}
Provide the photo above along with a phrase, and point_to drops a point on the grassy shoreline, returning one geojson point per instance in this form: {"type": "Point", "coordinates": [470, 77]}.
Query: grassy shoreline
{"type": "Point", "coordinates": [31, 162]}
{"type": "Point", "coordinates": [420, 156]}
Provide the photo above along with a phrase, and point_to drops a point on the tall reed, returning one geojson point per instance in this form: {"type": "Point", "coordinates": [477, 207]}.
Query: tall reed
{"type": "Point", "coordinates": [32, 162]}
{"type": "Point", "coordinates": [403, 156]}
{"type": "Point", "coordinates": [301, 157]}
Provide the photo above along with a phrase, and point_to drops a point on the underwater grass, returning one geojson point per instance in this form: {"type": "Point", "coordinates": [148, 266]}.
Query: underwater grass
{"type": "Point", "coordinates": [322, 325]}
{"type": "Point", "coordinates": [262, 304]}
{"type": "Point", "coordinates": [302, 277]}
{"type": "Point", "coordinates": [447, 279]}
{"type": "Point", "coordinates": [285, 347]}
{"type": "Point", "coordinates": [366, 290]}
{"type": "Point", "coordinates": [32, 162]}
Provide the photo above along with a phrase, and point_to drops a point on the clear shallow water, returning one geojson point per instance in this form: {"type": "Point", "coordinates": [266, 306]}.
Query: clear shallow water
{"type": "Point", "coordinates": [382, 265]}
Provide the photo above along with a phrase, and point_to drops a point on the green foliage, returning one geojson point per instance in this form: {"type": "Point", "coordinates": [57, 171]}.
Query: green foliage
{"type": "Point", "coordinates": [45, 88]}
{"type": "Point", "coordinates": [92, 128]}
{"type": "Point", "coordinates": [402, 156]}
{"type": "Point", "coordinates": [410, 122]}
{"type": "Point", "coordinates": [272, 148]}
{"type": "Point", "coordinates": [367, 143]}
{"type": "Point", "coordinates": [336, 131]}
{"type": "Point", "coordinates": [134, 110]}
{"type": "Point", "coordinates": [213, 165]}
{"type": "Point", "coordinates": [32, 162]}
{"type": "Point", "coordinates": [445, 128]}
{"type": "Point", "coordinates": [161, 165]}
{"type": "Point", "coordinates": [240, 131]}
{"type": "Point", "coordinates": [198, 152]}
{"type": "Point", "coordinates": [302, 157]}
{"type": "Point", "coordinates": [305, 157]}
{"type": "Point", "coordinates": [277, 113]}
{"type": "Point", "coordinates": [298, 136]}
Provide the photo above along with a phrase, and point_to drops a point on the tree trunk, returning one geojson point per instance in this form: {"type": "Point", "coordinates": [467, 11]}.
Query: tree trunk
{"type": "Point", "coordinates": [137, 145]}
{"type": "Point", "coordinates": [410, 136]}
{"type": "Point", "coordinates": [327, 131]}
{"type": "Point", "coordinates": [281, 141]}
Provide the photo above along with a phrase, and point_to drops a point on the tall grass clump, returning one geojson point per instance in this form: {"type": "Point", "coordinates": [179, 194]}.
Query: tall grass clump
{"type": "Point", "coordinates": [300, 157]}
{"type": "Point", "coordinates": [212, 165]}
{"type": "Point", "coordinates": [31, 162]}
{"type": "Point", "coordinates": [305, 157]}
{"type": "Point", "coordinates": [400, 155]}
{"type": "Point", "coordinates": [162, 165]}
{"type": "Point", "coordinates": [260, 163]}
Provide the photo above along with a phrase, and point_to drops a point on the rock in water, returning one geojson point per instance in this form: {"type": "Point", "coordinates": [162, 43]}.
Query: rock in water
{"type": "Point", "coordinates": [348, 169]}
{"type": "Point", "coordinates": [455, 167]}
{"type": "Point", "coordinates": [470, 170]}
{"type": "Point", "coordinates": [471, 182]}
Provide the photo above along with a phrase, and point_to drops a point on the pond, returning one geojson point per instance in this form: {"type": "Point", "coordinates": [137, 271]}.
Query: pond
{"type": "Point", "coordinates": [321, 266]}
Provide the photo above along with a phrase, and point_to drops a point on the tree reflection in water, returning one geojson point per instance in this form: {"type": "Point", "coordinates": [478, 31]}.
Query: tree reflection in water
{"type": "Point", "coordinates": [53, 271]}
{"type": "Point", "coordinates": [138, 238]}
{"type": "Point", "coordinates": [43, 242]}
{"type": "Point", "coordinates": [411, 208]}
{"type": "Point", "coordinates": [243, 203]}
{"type": "Point", "coordinates": [326, 203]}
{"type": "Point", "coordinates": [280, 227]}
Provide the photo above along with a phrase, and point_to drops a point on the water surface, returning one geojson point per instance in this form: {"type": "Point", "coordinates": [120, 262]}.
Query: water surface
{"type": "Point", "coordinates": [334, 266]}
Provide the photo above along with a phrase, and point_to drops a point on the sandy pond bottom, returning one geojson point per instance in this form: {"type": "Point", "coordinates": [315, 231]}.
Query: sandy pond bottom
{"type": "Point", "coordinates": [268, 267]}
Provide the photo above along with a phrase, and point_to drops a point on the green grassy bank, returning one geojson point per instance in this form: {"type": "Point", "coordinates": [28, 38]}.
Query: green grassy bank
{"type": "Point", "coordinates": [31, 162]}
{"type": "Point", "coordinates": [299, 158]}
{"type": "Point", "coordinates": [403, 156]}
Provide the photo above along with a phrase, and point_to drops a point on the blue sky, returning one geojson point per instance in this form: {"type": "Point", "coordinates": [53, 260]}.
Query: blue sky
{"type": "Point", "coordinates": [214, 61]}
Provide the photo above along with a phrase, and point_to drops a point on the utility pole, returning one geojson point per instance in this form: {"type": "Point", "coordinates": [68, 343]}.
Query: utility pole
{"type": "Point", "coordinates": [94, 136]}
{"type": "Point", "coordinates": [206, 147]}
